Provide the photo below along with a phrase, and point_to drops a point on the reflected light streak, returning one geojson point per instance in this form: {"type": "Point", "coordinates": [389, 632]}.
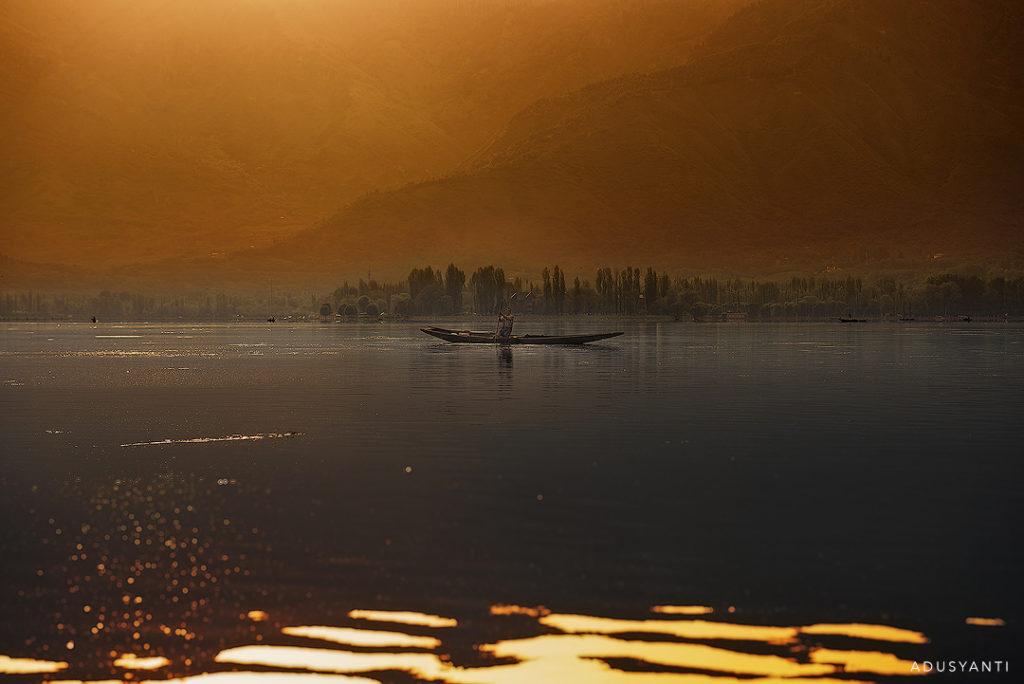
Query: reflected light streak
{"type": "Point", "coordinates": [551, 658]}
{"type": "Point", "coordinates": [691, 656]}
{"type": "Point", "coordinates": [226, 438]}
{"type": "Point", "coordinates": [424, 665]}
{"type": "Point", "coordinates": [587, 653]}
{"type": "Point", "coordinates": [503, 609]}
{"type": "Point", "coordinates": [985, 622]}
{"type": "Point", "coordinates": [274, 678]}
{"type": "Point", "coordinates": [703, 629]}
{"type": "Point", "coordinates": [861, 631]}
{"type": "Point", "coordinates": [10, 665]}
{"type": "Point", "coordinates": [363, 637]}
{"type": "Point", "coordinates": [683, 610]}
{"type": "Point", "coordinates": [688, 629]}
{"type": "Point", "coordinates": [403, 617]}
{"type": "Point", "coordinates": [590, 670]}
{"type": "Point", "coordinates": [864, 661]}
{"type": "Point", "coordinates": [129, 661]}
{"type": "Point", "coordinates": [245, 677]}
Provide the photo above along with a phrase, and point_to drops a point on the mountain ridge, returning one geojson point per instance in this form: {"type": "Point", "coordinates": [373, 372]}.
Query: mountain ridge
{"type": "Point", "coordinates": [803, 135]}
{"type": "Point", "coordinates": [830, 134]}
{"type": "Point", "coordinates": [141, 131]}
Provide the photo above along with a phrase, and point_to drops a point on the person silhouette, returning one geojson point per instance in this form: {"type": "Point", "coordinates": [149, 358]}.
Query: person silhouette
{"type": "Point", "coordinates": [505, 321]}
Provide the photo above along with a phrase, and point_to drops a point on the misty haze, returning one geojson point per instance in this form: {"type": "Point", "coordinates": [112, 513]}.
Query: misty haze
{"type": "Point", "coordinates": [510, 341]}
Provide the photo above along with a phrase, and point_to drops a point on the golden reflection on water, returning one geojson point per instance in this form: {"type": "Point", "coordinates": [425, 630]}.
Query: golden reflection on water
{"type": "Point", "coordinates": [274, 678]}
{"type": "Point", "coordinates": [683, 610]}
{"type": "Point", "coordinates": [669, 654]}
{"type": "Point", "coordinates": [504, 609]}
{"type": "Point", "coordinates": [584, 649]}
{"type": "Point", "coordinates": [703, 629]}
{"type": "Point", "coordinates": [130, 661]}
{"type": "Point", "coordinates": [687, 629]}
{"type": "Point", "coordinates": [864, 661]}
{"type": "Point", "coordinates": [549, 658]}
{"type": "Point", "coordinates": [363, 637]}
{"type": "Point", "coordinates": [29, 666]}
{"type": "Point", "coordinates": [876, 632]}
{"type": "Point", "coordinates": [403, 617]}
{"type": "Point", "coordinates": [244, 677]}
{"type": "Point", "coordinates": [985, 622]}
{"type": "Point", "coordinates": [423, 665]}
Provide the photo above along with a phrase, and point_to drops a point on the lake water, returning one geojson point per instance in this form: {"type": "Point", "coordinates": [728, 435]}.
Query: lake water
{"type": "Point", "coordinates": [684, 501]}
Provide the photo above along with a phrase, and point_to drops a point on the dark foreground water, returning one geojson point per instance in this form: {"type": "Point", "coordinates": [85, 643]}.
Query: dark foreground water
{"type": "Point", "coordinates": [691, 503]}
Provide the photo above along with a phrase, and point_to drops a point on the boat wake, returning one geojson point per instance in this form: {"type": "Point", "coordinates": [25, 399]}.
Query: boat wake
{"type": "Point", "coordinates": [226, 438]}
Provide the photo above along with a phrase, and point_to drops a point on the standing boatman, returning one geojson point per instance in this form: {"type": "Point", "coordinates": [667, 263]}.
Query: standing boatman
{"type": "Point", "coordinates": [505, 321]}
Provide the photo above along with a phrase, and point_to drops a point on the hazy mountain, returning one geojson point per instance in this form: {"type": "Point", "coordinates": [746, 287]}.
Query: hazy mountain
{"type": "Point", "coordinates": [804, 132]}
{"type": "Point", "coordinates": [137, 131]}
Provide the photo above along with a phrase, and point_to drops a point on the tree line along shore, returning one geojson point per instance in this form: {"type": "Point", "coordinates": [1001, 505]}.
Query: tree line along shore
{"type": "Point", "coordinates": [427, 292]}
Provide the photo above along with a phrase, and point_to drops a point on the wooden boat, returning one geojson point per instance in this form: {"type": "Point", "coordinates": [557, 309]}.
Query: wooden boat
{"type": "Point", "coordinates": [479, 337]}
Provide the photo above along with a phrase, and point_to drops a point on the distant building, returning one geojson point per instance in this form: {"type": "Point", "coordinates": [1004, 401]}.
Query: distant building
{"type": "Point", "coordinates": [734, 317]}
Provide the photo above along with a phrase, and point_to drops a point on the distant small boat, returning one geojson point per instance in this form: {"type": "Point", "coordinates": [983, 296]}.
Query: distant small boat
{"type": "Point", "coordinates": [853, 320]}
{"type": "Point", "coordinates": [965, 319]}
{"type": "Point", "coordinates": [481, 337]}
{"type": "Point", "coordinates": [271, 318]}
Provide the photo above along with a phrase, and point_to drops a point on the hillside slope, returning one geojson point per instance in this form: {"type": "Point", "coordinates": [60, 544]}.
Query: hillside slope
{"type": "Point", "coordinates": [805, 132]}
{"type": "Point", "coordinates": [138, 131]}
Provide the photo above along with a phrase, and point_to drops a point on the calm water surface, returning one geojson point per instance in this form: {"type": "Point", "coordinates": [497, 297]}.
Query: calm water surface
{"type": "Point", "coordinates": [686, 502]}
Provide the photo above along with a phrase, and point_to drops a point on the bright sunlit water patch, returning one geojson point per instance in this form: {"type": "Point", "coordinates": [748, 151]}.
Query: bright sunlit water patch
{"type": "Point", "coordinates": [565, 650]}
{"type": "Point", "coordinates": [422, 665]}
{"type": "Point", "coordinates": [859, 631]}
{"type": "Point", "coordinates": [689, 629]}
{"type": "Point", "coordinates": [244, 678]}
{"type": "Point", "coordinates": [683, 610]}
{"type": "Point", "coordinates": [531, 611]}
{"type": "Point", "coordinates": [579, 657]}
{"type": "Point", "coordinates": [403, 617]}
{"type": "Point", "coordinates": [864, 662]}
{"type": "Point", "coordinates": [363, 637]}
{"type": "Point", "coordinates": [130, 661]}
{"type": "Point", "coordinates": [15, 666]}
